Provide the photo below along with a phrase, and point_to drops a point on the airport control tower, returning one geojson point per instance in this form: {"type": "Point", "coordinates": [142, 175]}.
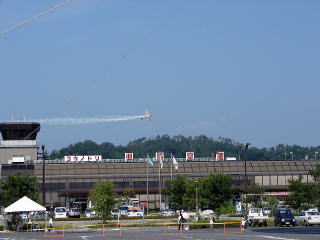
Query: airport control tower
{"type": "Point", "coordinates": [19, 142]}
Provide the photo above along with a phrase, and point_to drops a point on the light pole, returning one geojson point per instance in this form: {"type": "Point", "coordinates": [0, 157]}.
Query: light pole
{"type": "Point", "coordinates": [315, 156]}
{"type": "Point", "coordinates": [197, 208]}
{"type": "Point", "coordinates": [43, 176]}
{"type": "Point", "coordinates": [246, 179]}
{"type": "Point", "coordinates": [291, 153]}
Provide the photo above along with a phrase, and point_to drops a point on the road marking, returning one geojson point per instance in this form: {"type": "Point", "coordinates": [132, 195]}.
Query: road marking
{"type": "Point", "coordinates": [279, 238]}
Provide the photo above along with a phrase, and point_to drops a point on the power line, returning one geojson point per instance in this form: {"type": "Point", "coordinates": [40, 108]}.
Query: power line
{"type": "Point", "coordinates": [35, 17]}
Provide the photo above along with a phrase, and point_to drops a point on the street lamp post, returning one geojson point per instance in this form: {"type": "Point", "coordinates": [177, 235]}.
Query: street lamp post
{"type": "Point", "coordinates": [246, 179]}
{"type": "Point", "coordinates": [197, 208]}
{"type": "Point", "coordinates": [291, 153]}
{"type": "Point", "coordinates": [43, 176]}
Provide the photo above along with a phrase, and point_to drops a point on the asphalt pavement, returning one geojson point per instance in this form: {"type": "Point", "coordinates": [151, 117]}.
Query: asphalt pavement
{"type": "Point", "coordinates": [156, 233]}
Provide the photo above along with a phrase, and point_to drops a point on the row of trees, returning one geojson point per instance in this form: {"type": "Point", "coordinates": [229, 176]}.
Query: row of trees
{"type": "Point", "coordinates": [202, 145]}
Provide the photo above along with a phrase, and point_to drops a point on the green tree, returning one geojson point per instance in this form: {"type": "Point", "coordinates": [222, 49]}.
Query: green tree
{"type": "Point", "coordinates": [225, 208]}
{"type": "Point", "coordinates": [104, 197]}
{"type": "Point", "coordinates": [189, 198]}
{"type": "Point", "coordinates": [127, 194]}
{"type": "Point", "coordinates": [215, 190]}
{"type": "Point", "coordinates": [302, 195]}
{"type": "Point", "coordinates": [15, 187]}
{"type": "Point", "coordinates": [176, 190]}
{"type": "Point", "coordinates": [272, 202]}
{"type": "Point", "coordinates": [315, 173]}
{"type": "Point", "coordinates": [255, 195]}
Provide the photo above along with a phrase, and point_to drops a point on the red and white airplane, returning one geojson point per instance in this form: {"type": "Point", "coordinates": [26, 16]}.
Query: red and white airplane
{"type": "Point", "coordinates": [147, 115]}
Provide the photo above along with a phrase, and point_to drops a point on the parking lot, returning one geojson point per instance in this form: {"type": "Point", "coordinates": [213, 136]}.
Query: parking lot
{"type": "Point", "coordinates": [156, 233]}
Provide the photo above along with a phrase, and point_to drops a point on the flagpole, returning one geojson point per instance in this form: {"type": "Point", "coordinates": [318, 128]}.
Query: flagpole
{"type": "Point", "coordinates": [160, 185]}
{"type": "Point", "coordinates": [171, 167]}
{"type": "Point", "coordinates": [147, 186]}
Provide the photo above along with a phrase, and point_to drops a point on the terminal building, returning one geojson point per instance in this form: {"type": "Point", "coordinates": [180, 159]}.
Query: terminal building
{"type": "Point", "coordinates": [69, 182]}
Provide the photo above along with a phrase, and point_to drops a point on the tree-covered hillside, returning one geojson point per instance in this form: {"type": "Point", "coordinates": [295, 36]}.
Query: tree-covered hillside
{"type": "Point", "coordinates": [203, 146]}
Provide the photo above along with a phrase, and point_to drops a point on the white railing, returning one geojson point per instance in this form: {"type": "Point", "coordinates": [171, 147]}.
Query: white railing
{"type": "Point", "coordinates": [14, 143]}
{"type": "Point", "coordinates": [136, 160]}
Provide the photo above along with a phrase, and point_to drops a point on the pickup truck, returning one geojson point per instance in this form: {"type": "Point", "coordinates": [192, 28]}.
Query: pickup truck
{"type": "Point", "coordinates": [256, 217]}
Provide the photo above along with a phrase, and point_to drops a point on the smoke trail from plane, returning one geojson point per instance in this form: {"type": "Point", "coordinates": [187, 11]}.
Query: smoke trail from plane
{"type": "Point", "coordinates": [83, 121]}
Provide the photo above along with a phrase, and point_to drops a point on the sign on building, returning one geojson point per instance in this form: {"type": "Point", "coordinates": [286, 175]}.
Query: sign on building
{"type": "Point", "coordinates": [128, 156]}
{"type": "Point", "coordinates": [159, 156]}
{"type": "Point", "coordinates": [220, 156]}
{"type": "Point", "coordinates": [189, 156]}
{"type": "Point", "coordinates": [87, 158]}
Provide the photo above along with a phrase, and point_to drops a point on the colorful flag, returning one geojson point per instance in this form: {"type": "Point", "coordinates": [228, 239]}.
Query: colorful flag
{"type": "Point", "coordinates": [174, 163]}
{"type": "Point", "coordinates": [161, 163]}
{"type": "Point", "coordinates": [149, 161]}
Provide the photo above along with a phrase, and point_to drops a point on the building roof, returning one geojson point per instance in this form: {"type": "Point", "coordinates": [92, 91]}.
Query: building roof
{"type": "Point", "coordinates": [19, 130]}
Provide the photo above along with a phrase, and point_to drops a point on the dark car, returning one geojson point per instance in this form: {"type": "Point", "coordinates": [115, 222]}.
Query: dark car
{"type": "Point", "coordinates": [73, 213]}
{"type": "Point", "coordinates": [284, 217]}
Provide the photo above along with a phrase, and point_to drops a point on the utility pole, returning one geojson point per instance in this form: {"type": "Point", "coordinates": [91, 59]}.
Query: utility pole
{"type": "Point", "coordinates": [43, 176]}
{"type": "Point", "coordinates": [246, 179]}
{"type": "Point", "coordinates": [197, 207]}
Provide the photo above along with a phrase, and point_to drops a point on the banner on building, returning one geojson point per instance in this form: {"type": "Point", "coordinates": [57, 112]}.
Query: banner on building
{"type": "Point", "coordinates": [86, 158]}
{"type": "Point", "coordinates": [159, 156]}
{"type": "Point", "coordinates": [128, 157]}
{"type": "Point", "coordinates": [189, 156]}
{"type": "Point", "coordinates": [220, 156]}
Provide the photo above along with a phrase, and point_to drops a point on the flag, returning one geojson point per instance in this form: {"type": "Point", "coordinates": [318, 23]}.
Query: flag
{"type": "Point", "coordinates": [161, 163]}
{"type": "Point", "coordinates": [149, 161]}
{"type": "Point", "coordinates": [174, 163]}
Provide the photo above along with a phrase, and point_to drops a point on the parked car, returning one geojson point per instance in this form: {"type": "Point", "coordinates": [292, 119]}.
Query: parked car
{"type": "Point", "coordinates": [266, 210]}
{"type": "Point", "coordinates": [123, 211]}
{"type": "Point", "coordinates": [73, 213]}
{"type": "Point", "coordinates": [256, 217]}
{"type": "Point", "coordinates": [90, 213]}
{"type": "Point", "coordinates": [115, 212]}
{"type": "Point", "coordinates": [284, 217]}
{"type": "Point", "coordinates": [166, 213]}
{"type": "Point", "coordinates": [308, 218]}
{"type": "Point", "coordinates": [60, 212]}
{"type": "Point", "coordinates": [134, 213]}
{"type": "Point", "coordinates": [205, 215]}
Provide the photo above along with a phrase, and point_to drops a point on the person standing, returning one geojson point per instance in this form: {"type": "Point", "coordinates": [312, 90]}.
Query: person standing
{"type": "Point", "coordinates": [180, 220]}
{"type": "Point", "coordinates": [211, 221]}
{"type": "Point", "coordinates": [50, 222]}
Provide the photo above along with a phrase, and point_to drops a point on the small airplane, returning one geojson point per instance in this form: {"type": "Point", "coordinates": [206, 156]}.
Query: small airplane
{"type": "Point", "coordinates": [147, 115]}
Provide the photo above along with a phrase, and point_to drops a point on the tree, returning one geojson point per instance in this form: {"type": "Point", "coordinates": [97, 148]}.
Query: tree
{"type": "Point", "coordinates": [225, 208]}
{"type": "Point", "coordinates": [127, 194]}
{"type": "Point", "coordinates": [302, 195]}
{"type": "Point", "coordinates": [104, 197]}
{"type": "Point", "coordinates": [189, 198]}
{"type": "Point", "coordinates": [272, 202]}
{"type": "Point", "coordinates": [255, 195]}
{"type": "Point", "coordinates": [215, 190]}
{"type": "Point", "coordinates": [18, 186]}
{"type": "Point", "coordinates": [176, 190]}
{"type": "Point", "coordinates": [315, 173]}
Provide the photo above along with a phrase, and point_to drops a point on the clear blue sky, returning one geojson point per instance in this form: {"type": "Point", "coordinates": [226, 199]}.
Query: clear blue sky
{"type": "Point", "coordinates": [248, 70]}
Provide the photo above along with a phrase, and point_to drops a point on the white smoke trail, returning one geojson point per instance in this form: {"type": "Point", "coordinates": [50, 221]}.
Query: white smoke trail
{"type": "Point", "coordinates": [82, 121]}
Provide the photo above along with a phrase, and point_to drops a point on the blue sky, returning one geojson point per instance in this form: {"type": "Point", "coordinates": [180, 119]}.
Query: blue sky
{"type": "Point", "coordinates": [248, 70]}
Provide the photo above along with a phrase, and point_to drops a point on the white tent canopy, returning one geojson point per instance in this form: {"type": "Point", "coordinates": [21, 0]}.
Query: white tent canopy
{"type": "Point", "coordinates": [24, 204]}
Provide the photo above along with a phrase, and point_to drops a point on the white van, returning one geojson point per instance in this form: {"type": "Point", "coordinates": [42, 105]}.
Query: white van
{"type": "Point", "coordinates": [60, 212]}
